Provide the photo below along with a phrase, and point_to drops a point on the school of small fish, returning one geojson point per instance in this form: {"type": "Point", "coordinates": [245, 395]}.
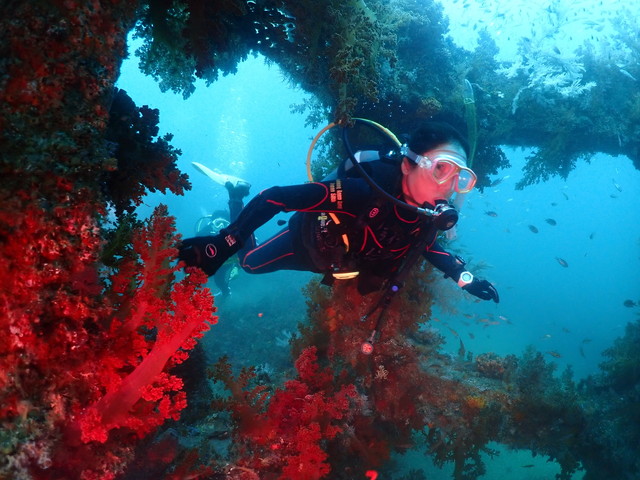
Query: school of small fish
{"type": "Point", "coordinates": [554, 29]}
{"type": "Point", "coordinates": [546, 40]}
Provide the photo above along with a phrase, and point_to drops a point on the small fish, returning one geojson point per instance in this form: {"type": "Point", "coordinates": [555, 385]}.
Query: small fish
{"type": "Point", "coordinates": [554, 354]}
{"type": "Point", "coordinates": [461, 350]}
{"type": "Point", "coordinates": [498, 181]}
{"type": "Point", "coordinates": [618, 187]}
{"type": "Point", "coordinates": [628, 75]}
{"type": "Point", "coordinates": [491, 213]}
{"type": "Point", "coordinates": [587, 340]}
{"type": "Point", "coordinates": [281, 222]}
{"type": "Point", "coordinates": [528, 466]}
{"type": "Point", "coordinates": [533, 228]}
{"type": "Point", "coordinates": [551, 221]}
{"type": "Point", "coordinates": [554, 204]}
{"type": "Point", "coordinates": [566, 197]}
{"type": "Point", "coordinates": [593, 234]}
{"type": "Point", "coordinates": [562, 262]}
{"type": "Point", "coordinates": [629, 303]}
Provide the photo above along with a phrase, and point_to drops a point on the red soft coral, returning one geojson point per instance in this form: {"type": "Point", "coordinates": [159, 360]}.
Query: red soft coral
{"type": "Point", "coordinates": [289, 440]}
{"type": "Point", "coordinates": [178, 317]}
{"type": "Point", "coordinates": [87, 361]}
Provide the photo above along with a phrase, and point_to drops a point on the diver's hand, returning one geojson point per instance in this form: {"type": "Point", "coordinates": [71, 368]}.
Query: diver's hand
{"type": "Point", "coordinates": [483, 289]}
{"type": "Point", "coordinates": [208, 252]}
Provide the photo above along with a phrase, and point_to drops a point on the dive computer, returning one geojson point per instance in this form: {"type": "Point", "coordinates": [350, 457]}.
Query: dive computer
{"type": "Point", "coordinates": [465, 278]}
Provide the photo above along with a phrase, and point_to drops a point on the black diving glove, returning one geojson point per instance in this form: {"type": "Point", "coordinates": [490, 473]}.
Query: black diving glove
{"type": "Point", "coordinates": [482, 289]}
{"type": "Point", "coordinates": [209, 252]}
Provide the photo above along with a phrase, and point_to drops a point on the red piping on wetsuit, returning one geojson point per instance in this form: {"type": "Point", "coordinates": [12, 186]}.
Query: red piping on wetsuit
{"type": "Point", "coordinates": [244, 262]}
{"type": "Point", "coordinates": [395, 209]}
{"type": "Point", "coordinates": [402, 251]}
{"type": "Point", "coordinates": [428, 249]}
{"type": "Point", "coordinates": [367, 229]}
{"type": "Point", "coordinates": [311, 208]}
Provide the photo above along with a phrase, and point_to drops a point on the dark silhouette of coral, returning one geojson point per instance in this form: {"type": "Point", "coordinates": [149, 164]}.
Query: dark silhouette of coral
{"type": "Point", "coordinates": [141, 162]}
{"type": "Point", "coordinates": [392, 62]}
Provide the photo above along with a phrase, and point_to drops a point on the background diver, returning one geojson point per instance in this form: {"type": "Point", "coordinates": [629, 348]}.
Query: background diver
{"type": "Point", "coordinates": [344, 228]}
{"type": "Point", "coordinates": [210, 225]}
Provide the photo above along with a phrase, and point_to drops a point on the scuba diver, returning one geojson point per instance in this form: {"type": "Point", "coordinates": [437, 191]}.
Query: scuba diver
{"type": "Point", "coordinates": [212, 225]}
{"type": "Point", "coordinates": [351, 225]}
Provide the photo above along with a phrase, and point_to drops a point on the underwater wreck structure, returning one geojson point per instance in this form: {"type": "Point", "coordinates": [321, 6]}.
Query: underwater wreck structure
{"type": "Point", "coordinates": [94, 321]}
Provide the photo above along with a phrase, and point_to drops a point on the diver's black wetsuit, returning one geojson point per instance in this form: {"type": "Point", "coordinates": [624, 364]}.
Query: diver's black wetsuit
{"type": "Point", "coordinates": [379, 234]}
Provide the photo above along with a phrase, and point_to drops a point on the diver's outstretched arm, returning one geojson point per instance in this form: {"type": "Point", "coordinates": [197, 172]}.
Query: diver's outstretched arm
{"type": "Point", "coordinates": [453, 266]}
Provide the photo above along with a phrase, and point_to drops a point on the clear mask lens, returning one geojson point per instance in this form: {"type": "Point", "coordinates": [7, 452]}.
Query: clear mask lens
{"type": "Point", "coordinates": [442, 169]}
{"type": "Point", "coordinates": [220, 223]}
{"type": "Point", "coordinates": [466, 181]}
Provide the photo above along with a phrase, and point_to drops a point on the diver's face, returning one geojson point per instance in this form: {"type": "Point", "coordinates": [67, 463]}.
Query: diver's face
{"type": "Point", "coordinates": [419, 184]}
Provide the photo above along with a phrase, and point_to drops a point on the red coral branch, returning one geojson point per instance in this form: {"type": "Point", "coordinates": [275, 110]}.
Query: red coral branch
{"type": "Point", "coordinates": [178, 317]}
{"type": "Point", "coordinates": [289, 439]}
{"type": "Point", "coordinates": [79, 359]}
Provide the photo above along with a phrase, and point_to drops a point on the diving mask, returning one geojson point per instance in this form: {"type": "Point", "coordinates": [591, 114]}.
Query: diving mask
{"type": "Point", "coordinates": [444, 165]}
{"type": "Point", "coordinates": [210, 225]}
{"type": "Point", "coordinates": [219, 223]}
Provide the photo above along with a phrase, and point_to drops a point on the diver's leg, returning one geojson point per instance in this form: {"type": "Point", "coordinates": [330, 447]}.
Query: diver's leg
{"type": "Point", "coordinates": [245, 220]}
{"type": "Point", "coordinates": [277, 253]}
{"type": "Point", "coordinates": [221, 279]}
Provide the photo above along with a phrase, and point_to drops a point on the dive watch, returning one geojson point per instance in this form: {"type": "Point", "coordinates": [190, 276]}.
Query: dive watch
{"type": "Point", "coordinates": [465, 279]}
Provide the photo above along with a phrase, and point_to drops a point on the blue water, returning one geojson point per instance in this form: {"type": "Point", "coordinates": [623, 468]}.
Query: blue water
{"type": "Point", "coordinates": [575, 311]}
{"type": "Point", "coordinates": [243, 125]}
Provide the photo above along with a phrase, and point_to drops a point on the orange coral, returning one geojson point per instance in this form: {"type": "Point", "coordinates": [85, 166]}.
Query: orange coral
{"type": "Point", "coordinates": [475, 402]}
